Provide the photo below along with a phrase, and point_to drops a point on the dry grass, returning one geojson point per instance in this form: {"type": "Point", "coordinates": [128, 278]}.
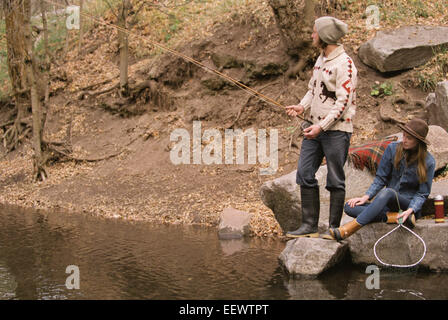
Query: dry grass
{"type": "Point", "coordinates": [196, 20]}
{"type": "Point", "coordinates": [428, 75]}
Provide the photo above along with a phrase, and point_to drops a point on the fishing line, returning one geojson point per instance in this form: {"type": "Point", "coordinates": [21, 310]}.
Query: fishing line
{"type": "Point", "coordinates": [400, 225]}
{"type": "Point", "coordinates": [187, 58]}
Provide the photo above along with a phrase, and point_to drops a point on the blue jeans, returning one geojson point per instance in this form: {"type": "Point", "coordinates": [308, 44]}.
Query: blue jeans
{"type": "Point", "coordinates": [334, 146]}
{"type": "Point", "coordinates": [385, 201]}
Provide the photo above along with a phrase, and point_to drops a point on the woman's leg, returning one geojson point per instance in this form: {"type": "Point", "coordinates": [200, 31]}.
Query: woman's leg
{"type": "Point", "coordinates": [385, 201]}
{"type": "Point", "coordinates": [356, 211]}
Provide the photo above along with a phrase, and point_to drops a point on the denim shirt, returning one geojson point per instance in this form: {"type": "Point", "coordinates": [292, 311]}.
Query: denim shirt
{"type": "Point", "coordinates": [404, 180]}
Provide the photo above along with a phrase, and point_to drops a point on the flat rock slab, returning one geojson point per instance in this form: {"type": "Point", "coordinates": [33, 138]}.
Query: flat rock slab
{"type": "Point", "coordinates": [401, 247]}
{"type": "Point", "coordinates": [402, 48]}
{"type": "Point", "coordinates": [309, 257]}
{"type": "Point", "coordinates": [233, 224]}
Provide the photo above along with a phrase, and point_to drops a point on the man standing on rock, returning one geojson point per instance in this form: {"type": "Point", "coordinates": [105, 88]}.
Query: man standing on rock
{"type": "Point", "coordinates": [331, 98]}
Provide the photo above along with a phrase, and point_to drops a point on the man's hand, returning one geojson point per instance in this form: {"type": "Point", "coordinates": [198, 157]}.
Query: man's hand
{"type": "Point", "coordinates": [358, 201]}
{"type": "Point", "coordinates": [312, 131]}
{"type": "Point", "coordinates": [294, 110]}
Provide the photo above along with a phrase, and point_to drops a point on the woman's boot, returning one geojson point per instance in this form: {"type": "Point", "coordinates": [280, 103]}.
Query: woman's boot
{"type": "Point", "coordinates": [310, 214]}
{"type": "Point", "coordinates": [392, 218]}
{"type": "Point", "coordinates": [346, 230]}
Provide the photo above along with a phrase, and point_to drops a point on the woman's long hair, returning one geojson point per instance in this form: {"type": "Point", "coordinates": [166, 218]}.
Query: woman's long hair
{"type": "Point", "coordinates": [418, 154]}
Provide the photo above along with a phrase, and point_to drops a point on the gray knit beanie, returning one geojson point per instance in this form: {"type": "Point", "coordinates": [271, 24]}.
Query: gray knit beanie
{"type": "Point", "coordinates": [330, 29]}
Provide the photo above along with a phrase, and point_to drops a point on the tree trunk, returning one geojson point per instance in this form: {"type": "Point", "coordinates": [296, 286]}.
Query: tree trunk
{"type": "Point", "coordinates": [47, 65]}
{"type": "Point", "coordinates": [81, 34]}
{"type": "Point", "coordinates": [14, 20]}
{"type": "Point", "coordinates": [124, 48]}
{"type": "Point", "coordinates": [295, 20]}
{"type": "Point", "coordinates": [32, 70]}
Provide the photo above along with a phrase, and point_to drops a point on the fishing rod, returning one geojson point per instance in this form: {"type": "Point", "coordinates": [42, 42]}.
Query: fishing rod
{"type": "Point", "coordinates": [235, 82]}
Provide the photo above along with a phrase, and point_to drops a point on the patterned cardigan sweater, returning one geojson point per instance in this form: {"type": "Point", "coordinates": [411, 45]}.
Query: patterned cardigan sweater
{"type": "Point", "coordinates": [332, 91]}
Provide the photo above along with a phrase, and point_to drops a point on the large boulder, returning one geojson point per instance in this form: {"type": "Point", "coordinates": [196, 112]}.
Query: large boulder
{"type": "Point", "coordinates": [437, 106]}
{"type": "Point", "coordinates": [402, 247]}
{"type": "Point", "coordinates": [438, 138]}
{"type": "Point", "coordinates": [309, 257]}
{"type": "Point", "coordinates": [402, 48]}
{"type": "Point", "coordinates": [282, 195]}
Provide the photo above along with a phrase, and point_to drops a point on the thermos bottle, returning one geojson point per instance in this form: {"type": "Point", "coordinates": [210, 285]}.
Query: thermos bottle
{"type": "Point", "coordinates": [440, 212]}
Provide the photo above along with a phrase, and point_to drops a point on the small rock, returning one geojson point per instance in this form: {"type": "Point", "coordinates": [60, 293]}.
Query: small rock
{"type": "Point", "coordinates": [234, 224]}
{"type": "Point", "coordinates": [309, 257]}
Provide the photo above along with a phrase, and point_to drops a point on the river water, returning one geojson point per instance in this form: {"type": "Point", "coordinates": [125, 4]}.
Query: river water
{"type": "Point", "coordinates": [123, 260]}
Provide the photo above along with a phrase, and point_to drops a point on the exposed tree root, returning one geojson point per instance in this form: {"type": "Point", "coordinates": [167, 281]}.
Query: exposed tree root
{"type": "Point", "coordinates": [15, 133]}
{"type": "Point", "coordinates": [61, 151]}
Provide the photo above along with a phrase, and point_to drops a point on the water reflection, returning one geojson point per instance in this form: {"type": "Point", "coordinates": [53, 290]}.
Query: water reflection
{"type": "Point", "coordinates": [231, 246]}
{"type": "Point", "coordinates": [8, 283]}
{"type": "Point", "coordinates": [122, 260]}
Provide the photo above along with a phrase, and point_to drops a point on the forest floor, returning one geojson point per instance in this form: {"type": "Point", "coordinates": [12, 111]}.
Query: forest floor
{"type": "Point", "coordinates": [139, 181]}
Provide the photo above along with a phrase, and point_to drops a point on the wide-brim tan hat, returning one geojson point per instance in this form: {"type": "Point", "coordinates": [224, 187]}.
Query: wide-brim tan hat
{"type": "Point", "coordinates": [418, 128]}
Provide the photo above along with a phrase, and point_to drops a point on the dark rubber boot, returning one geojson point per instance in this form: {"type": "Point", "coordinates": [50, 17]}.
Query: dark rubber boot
{"type": "Point", "coordinates": [310, 214]}
{"type": "Point", "coordinates": [337, 201]}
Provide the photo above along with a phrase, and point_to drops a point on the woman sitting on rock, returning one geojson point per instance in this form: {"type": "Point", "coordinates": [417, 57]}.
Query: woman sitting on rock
{"type": "Point", "coordinates": [406, 171]}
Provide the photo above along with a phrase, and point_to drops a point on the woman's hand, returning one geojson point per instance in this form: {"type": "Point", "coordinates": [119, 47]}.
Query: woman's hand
{"type": "Point", "coordinates": [405, 214]}
{"type": "Point", "coordinates": [358, 201]}
{"type": "Point", "coordinates": [294, 110]}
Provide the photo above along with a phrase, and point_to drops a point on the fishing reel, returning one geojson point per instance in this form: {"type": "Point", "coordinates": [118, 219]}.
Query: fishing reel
{"type": "Point", "coordinates": [305, 124]}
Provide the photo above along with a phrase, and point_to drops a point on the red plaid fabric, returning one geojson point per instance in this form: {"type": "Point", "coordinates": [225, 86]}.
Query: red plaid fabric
{"type": "Point", "coordinates": [368, 155]}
